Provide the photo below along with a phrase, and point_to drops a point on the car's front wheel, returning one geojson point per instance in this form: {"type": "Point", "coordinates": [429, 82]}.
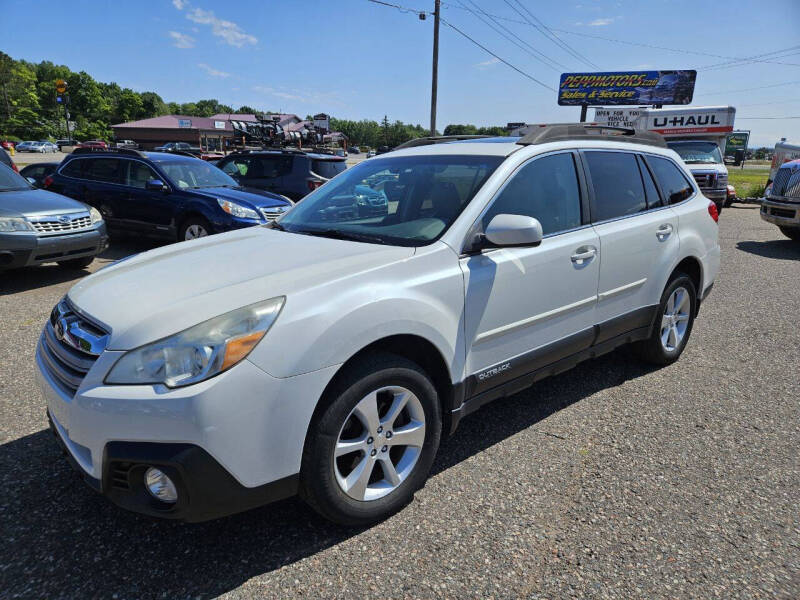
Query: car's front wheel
{"type": "Point", "coordinates": [373, 444]}
{"type": "Point", "coordinates": [193, 228]}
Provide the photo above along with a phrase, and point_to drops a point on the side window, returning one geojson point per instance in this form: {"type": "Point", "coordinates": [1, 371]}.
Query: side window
{"type": "Point", "coordinates": [233, 169]}
{"type": "Point", "coordinates": [138, 174]}
{"type": "Point", "coordinates": [650, 189]}
{"type": "Point", "coordinates": [103, 169]}
{"type": "Point", "coordinates": [674, 185]}
{"type": "Point", "coordinates": [617, 183]}
{"type": "Point", "coordinates": [545, 188]}
{"type": "Point", "coordinates": [73, 168]}
{"type": "Point", "coordinates": [275, 166]}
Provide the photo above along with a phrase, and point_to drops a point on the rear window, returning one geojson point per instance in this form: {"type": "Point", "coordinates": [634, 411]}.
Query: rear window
{"type": "Point", "coordinates": [617, 183]}
{"type": "Point", "coordinates": [328, 168]}
{"type": "Point", "coordinates": [673, 183]}
{"type": "Point", "coordinates": [73, 168]}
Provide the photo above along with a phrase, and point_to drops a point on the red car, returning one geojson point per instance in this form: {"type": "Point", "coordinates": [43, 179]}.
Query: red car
{"type": "Point", "coordinates": [93, 144]}
{"type": "Point", "coordinates": [7, 144]}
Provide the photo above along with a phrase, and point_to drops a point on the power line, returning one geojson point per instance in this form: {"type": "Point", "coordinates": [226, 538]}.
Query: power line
{"type": "Point", "coordinates": [548, 65]}
{"type": "Point", "coordinates": [761, 87]}
{"type": "Point", "coordinates": [545, 31]}
{"type": "Point", "coordinates": [502, 60]}
{"type": "Point", "coordinates": [755, 59]}
{"type": "Point", "coordinates": [403, 9]}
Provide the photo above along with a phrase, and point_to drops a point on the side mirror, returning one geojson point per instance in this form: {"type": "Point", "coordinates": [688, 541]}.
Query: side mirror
{"type": "Point", "coordinates": [513, 230]}
{"type": "Point", "coordinates": [156, 185]}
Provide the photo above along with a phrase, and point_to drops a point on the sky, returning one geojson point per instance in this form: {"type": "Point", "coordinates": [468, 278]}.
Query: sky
{"type": "Point", "coordinates": [358, 59]}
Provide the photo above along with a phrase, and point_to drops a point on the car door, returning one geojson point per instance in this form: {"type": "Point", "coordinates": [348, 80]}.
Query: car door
{"type": "Point", "coordinates": [638, 240]}
{"type": "Point", "coordinates": [101, 187]}
{"type": "Point", "coordinates": [150, 211]}
{"type": "Point", "coordinates": [528, 307]}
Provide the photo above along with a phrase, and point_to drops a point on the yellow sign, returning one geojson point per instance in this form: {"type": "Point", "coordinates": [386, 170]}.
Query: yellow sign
{"type": "Point", "coordinates": [61, 86]}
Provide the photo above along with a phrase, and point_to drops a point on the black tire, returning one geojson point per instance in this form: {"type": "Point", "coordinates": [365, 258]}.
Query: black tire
{"type": "Point", "coordinates": [727, 202]}
{"type": "Point", "coordinates": [190, 222]}
{"type": "Point", "coordinates": [76, 263]}
{"type": "Point", "coordinates": [719, 206]}
{"type": "Point", "coordinates": [793, 233]}
{"type": "Point", "coordinates": [652, 350]}
{"type": "Point", "coordinates": [318, 482]}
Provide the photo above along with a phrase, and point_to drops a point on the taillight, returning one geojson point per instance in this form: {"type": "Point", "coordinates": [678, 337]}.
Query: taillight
{"type": "Point", "coordinates": [712, 210]}
{"type": "Point", "coordinates": [47, 181]}
{"type": "Point", "coordinates": [314, 184]}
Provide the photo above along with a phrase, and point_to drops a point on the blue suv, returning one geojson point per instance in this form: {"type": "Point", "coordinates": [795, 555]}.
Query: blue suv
{"type": "Point", "coordinates": [165, 195]}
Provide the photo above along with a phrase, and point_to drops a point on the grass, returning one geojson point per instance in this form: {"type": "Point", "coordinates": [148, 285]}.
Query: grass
{"type": "Point", "coordinates": [749, 183]}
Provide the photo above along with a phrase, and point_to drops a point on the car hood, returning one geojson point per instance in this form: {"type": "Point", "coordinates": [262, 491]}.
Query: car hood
{"type": "Point", "coordinates": [164, 291]}
{"type": "Point", "coordinates": [38, 202]}
{"type": "Point", "coordinates": [257, 198]}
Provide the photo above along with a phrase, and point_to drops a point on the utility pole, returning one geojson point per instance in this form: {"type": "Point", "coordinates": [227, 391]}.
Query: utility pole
{"type": "Point", "coordinates": [435, 74]}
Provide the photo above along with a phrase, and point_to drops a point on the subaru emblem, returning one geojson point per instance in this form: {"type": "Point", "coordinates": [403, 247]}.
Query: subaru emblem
{"type": "Point", "coordinates": [61, 329]}
{"type": "Point", "coordinates": [64, 219]}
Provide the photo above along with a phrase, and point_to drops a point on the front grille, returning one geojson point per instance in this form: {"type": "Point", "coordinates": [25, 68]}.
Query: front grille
{"type": "Point", "coordinates": [705, 180]}
{"type": "Point", "coordinates": [120, 475]}
{"type": "Point", "coordinates": [781, 212]}
{"type": "Point", "coordinates": [786, 184]}
{"type": "Point", "coordinates": [61, 223]}
{"type": "Point", "coordinates": [273, 212]}
{"type": "Point", "coordinates": [69, 346]}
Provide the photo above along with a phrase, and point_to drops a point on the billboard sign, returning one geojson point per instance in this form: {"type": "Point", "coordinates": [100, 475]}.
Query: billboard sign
{"type": "Point", "coordinates": [736, 141]}
{"type": "Point", "coordinates": [627, 87]}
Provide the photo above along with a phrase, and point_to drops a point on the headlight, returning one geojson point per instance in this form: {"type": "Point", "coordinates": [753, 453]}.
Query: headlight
{"type": "Point", "coordinates": [199, 352]}
{"type": "Point", "coordinates": [14, 225]}
{"type": "Point", "coordinates": [95, 214]}
{"type": "Point", "coordinates": [237, 210]}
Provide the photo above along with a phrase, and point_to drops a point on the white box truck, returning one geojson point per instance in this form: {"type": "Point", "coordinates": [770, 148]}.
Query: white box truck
{"type": "Point", "coordinates": [696, 133]}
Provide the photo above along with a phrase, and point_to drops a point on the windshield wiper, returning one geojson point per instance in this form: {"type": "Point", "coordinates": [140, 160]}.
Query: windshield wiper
{"type": "Point", "coordinates": [337, 234]}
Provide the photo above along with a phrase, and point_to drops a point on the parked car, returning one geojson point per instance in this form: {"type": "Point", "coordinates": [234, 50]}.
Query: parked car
{"type": "Point", "coordinates": [355, 150]}
{"type": "Point", "coordinates": [384, 149]}
{"type": "Point", "coordinates": [371, 153]}
{"type": "Point", "coordinates": [38, 227]}
{"type": "Point", "coordinates": [37, 172]}
{"type": "Point", "coordinates": [162, 195]}
{"type": "Point", "coordinates": [66, 142]}
{"type": "Point", "coordinates": [172, 146]}
{"type": "Point", "coordinates": [329, 358]}
{"type": "Point", "coordinates": [7, 144]}
{"type": "Point", "coordinates": [731, 196]}
{"type": "Point", "coordinates": [43, 147]}
{"type": "Point", "coordinates": [25, 146]}
{"type": "Point", "coordinates": [781, 206]}
{"type": "Point", "coordinates": [6, 160]}
{"type": "Point", "coordinates": [96, 144]}
{"type": "Point", "coordinates": [291, 173]}
{"type": "Point", "coordinates": [130, 144]}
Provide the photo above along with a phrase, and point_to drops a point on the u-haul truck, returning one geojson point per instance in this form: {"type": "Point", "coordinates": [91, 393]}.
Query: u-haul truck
{"type": "Point", "coordinates": [696, 133]}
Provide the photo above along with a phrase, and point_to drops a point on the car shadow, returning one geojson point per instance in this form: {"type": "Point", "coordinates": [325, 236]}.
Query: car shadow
{"type": "Point", "coordinates": [14, 281]}
{"type": "Point", "coordinates": [778, 249]}
{"type": "Point", "coordinates": [60, 535]}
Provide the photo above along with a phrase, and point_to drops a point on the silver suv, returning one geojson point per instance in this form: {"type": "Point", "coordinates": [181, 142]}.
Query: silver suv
{"type": "Point", "coordinates": [781, 207]}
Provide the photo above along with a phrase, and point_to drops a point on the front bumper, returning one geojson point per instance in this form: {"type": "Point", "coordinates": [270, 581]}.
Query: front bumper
{"type": "Point", "coordinates": [784, 214]}
{"type": "Point", "coordinates": [18, 250]}
{"type": "Point", "coordinates": [232, 442]}
{"type": "Point", "coordinates": [718, 195]}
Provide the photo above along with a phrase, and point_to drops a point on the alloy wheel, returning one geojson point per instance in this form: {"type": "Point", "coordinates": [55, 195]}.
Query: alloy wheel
{"type": "Point", "coordinates": [195, 231]}
{"type": "Point", "coordinates": [379, 443]}
{"type": "Point", "coordinates": [675, 320]}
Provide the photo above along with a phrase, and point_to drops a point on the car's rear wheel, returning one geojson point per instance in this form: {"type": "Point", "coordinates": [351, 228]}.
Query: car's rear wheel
{"type": "Point", "coordinates": [76, 263]}
{"type": "Point", "coordinates": [193, 228]}
{"type": "Point", "coordinates": [793, 233]}
{"type": "Point", "coordinates": [674, 321]}
{"type": "Point", "coordinates": [373, 444]}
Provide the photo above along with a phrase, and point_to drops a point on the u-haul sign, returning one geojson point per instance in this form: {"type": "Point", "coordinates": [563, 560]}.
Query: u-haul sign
{"type": "Point", "coordinates": [700, 120]}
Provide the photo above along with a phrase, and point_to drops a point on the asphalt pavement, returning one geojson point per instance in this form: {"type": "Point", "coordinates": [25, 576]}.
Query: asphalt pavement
{"type": "Point", "coordinates": [613, 480]}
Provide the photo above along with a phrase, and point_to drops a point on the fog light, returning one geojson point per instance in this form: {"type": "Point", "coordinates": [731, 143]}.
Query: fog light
{"type": "Point", "coordinates": [160, 486]}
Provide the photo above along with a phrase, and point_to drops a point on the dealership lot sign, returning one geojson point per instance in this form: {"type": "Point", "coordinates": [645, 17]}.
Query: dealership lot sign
{"type": "Point", "coordinates": [633, 87]}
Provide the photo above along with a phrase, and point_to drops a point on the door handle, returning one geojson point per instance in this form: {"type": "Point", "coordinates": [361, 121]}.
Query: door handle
{"type": "Point", "coordinates": [664, 231]}
{"type": "Point", "coordinates": [583, 254]}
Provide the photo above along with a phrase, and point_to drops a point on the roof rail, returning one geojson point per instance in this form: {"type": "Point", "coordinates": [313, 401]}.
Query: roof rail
{"type": "Point", "coordinates": [438, 139]}
{"type": "Point", "coordinates": [127, 151]}
{"type": "Point", "coordinates": [557, 132]}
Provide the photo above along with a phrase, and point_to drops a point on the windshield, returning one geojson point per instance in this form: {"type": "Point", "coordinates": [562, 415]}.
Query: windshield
{"type": "Point", "coordinates": [195, 174]}
{"type": "Point", "coordinates": [697, 152]}
{"type": "Point", "coordinates": [328, 168]}
{"type": "Point", "coordinates": [403, 201]}
{"type": "Point", "coordinates": [11, 182]}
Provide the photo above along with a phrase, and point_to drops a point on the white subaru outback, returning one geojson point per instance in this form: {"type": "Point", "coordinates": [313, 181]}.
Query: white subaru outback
{"type": "Point", "coordinates": [326, 353]}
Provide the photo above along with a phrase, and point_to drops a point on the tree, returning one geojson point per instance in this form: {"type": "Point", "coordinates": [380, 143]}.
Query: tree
{"type": "Point", "coordinates": [152, 106]}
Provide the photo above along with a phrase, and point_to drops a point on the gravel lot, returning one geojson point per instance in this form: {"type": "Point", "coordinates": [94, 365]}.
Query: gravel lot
{"type": "Point", "coordinates": [611, 481]}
